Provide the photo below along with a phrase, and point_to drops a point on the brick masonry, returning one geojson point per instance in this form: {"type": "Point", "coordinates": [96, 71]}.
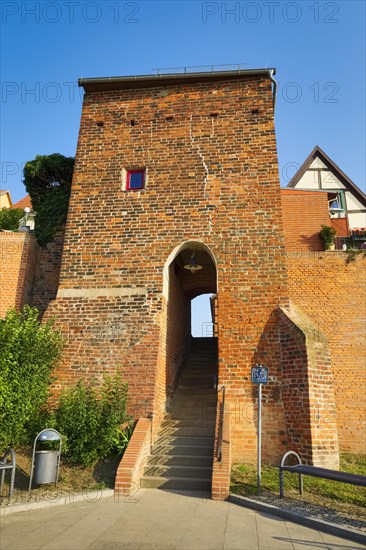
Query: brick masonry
{"type": "Point", "coordinates": [123, 296]}
{"type": "Point", "coordinates": [29, 274]}
{"type": "Point", "coordinates": [134, 459]}
{"type": "Point", "coordinates": [222, 452]}
{"type": "Point", "coordinates": [330, 288]}
{"type": "Point", "coordinates": [303, 214]}
{"type": "Point", "coordinates": [308, 390]}
{"type": "Point", "coordinates": [18, 262]}
{"type": "Point", "coordinates": [212, 179]}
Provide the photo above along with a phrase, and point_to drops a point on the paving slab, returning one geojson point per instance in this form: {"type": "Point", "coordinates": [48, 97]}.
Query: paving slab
{"type": "Point", "coordinates": [159, 520]}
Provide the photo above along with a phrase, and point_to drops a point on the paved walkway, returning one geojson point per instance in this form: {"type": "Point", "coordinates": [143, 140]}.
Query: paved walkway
{"type": "Point", "coordinates": [159, 520]}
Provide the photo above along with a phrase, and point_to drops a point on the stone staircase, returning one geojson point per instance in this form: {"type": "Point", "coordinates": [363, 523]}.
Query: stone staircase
{"type": "Point", "coordinates": [183, 452]}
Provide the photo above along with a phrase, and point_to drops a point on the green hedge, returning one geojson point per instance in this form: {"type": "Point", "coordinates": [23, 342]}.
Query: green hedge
{"type": "Point", "coordinates": [29, 351]}
{"type": "Point", "coordinates": [90, 422]}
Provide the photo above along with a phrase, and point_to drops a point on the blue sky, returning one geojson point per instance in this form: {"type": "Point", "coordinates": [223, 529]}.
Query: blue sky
{"type": "Point", "coordinates": [317, 47]}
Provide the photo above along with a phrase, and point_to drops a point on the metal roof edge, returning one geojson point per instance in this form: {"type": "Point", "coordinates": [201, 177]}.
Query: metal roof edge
{"type": "Point", "coordinates": [166, 77]}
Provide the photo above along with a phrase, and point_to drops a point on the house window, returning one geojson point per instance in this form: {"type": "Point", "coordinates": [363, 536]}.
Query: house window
{"type": "Point", "coordinates": [336, 202]}
{"type": "Point", "coordinates": [135, 180]}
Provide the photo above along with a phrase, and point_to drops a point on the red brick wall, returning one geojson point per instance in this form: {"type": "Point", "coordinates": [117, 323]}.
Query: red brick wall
{"type": "Point", "coordinates": [303, 214]}
{"type": "Point", "coordinates": [330, 289]}
{"type": "Point", "coordinates": [212, 179]}
{"type": "Point", "coordinates": [341, 226]}
{"type": "Point", "coordinates": [48, 273]}
{"type": "Point", "coordinates": [134, 460]}
{"type": "Point", "coordinates": [29, 274]}
{"type": "Point", "coordinates": [174, 341]}
{"type": "Point", "coordinates": [308, 390]}
{"type": "Point", "coordinates": [18, 259]}
{"type": "Point", "coordinates": [221, 469]}
{"type": "Point", "coordinates": [177, 330]}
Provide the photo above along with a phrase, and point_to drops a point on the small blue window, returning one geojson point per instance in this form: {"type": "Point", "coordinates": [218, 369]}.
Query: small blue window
{"type": "Point", "coordinates": [135, 180]}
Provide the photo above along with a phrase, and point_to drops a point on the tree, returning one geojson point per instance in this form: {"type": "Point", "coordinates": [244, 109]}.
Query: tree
{"type": "Point", "coordinates": [47, 179]}
{"type": "Point", "coordinates": [9, 218]}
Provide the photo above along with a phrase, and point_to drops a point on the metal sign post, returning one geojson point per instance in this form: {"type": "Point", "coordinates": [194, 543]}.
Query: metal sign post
{"type": "Point", "coordinates": [259, 377]}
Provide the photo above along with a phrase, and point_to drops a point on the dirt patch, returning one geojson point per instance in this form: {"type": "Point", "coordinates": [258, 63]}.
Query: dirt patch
{"type": "Point", "coordinates": [72, 479]}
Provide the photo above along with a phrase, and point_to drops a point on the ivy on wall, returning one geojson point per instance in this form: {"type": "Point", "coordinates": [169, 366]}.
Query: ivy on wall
{"type": "Point", "coordinates": [47, 179]}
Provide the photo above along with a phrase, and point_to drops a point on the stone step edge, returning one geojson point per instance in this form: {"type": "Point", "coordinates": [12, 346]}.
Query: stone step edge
{"type": "Point", "coordinates": [177, 466]}
{"type": "Point", "coordinates": [174, 478]}
{"type": "Point", "coordinates": [179, 456]}
{"type": "Point", "coordinates": [161, 443]}
{"type": "Point", "coordinates": [156, 446]}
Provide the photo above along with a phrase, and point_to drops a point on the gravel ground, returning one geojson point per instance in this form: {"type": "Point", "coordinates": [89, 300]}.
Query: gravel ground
{"type": "Point", "coordinates": [312, 510]}
{"type": "Point", "coordinates": [73, 480]}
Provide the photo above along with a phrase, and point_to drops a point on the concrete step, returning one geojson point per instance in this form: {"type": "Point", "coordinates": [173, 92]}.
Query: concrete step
{"type": "Point", "coordinates": [162, 470]}
{"type": "Point", "coordinates": [198, 361]}
{"type": "Point", "coordinates": [181, 460]}
{"type": "Point", "coordinates": [183, 483]}
{"type": "Point", "coordinates": [191, 441]}
{"type": "Point", "coordinates": [195, 391]}
{"type": "Point", "coordinates": [198, 375]}
{"type": "Point", "coordinates": [204, 357]}
{"type": "Point", "coordinates": [187, 423]}
{"type": "Point", "coordinates": [202, 417]}
{"type": "Point", "coordinates": [191, 411]}
{"type": "Point", "coordinates": [178, 450]}
{"type": "Point", "coordinates": [194, 398]}
{"type": "Point", "coordinates": [194, 407]}
{"type": "Point", "coordinates": [182, 456]}
{"type": "Point", "coordinates": [192, 386]}
{"type": "Point", "coordinates": [192, 431]}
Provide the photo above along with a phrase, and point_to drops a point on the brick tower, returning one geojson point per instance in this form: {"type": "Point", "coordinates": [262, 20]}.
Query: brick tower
{"type": "Point", "coordinates": [167, 167]}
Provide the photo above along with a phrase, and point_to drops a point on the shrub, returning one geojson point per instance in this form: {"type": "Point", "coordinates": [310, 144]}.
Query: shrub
{"type": "Point", "coordinates": [327, 234]}
{"type": "Point", "coordinates": [9, 218]}
{"type": "Point", "coordinates": [90, 422]}
{"type": "Point", "coordinates": [29, 351]}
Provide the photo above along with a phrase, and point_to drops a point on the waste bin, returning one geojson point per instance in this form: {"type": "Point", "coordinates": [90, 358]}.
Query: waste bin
{"type": "Point", "coordinates": [45, 463]}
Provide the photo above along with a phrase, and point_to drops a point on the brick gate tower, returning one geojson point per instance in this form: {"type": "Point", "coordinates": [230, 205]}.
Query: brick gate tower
{"type": "Point", "coordinates": [170, 168]}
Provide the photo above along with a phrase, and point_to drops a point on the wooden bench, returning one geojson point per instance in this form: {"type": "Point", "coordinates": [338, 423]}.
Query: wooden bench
{"type": "Point", "coordinates": [5, 465]}
{"type": "Point", "coordinates": [304, 469]}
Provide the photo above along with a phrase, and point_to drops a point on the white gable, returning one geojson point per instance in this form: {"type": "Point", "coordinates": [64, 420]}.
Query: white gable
{"type": "Point", "coordinates": [317, 163]}
{"type": "Point", "coordinates": [310, 180]}
{"type": "Point", "coordinates": [330, 181]}
{"type": "Point", "coordinates": [352, 202]}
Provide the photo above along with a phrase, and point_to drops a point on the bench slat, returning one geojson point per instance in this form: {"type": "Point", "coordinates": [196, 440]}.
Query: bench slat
{"type": "Point", "coordinates": [335, 475]}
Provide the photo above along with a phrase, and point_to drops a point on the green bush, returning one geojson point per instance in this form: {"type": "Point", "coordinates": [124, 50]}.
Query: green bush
{"type": "Point", "coordinates": [29, 351]}
{"type": "Point", "coordinates": [92, 423]}
{"type": "Point", "coordinates": [9, 218]}
{"type": "Point", "coordinates": [327, 234]}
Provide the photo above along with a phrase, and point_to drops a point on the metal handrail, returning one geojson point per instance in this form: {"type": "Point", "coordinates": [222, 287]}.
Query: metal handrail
{"type": "Point", "coordinates": [282, 466]}
{"type": "Point", "coordinates": [221, 424]}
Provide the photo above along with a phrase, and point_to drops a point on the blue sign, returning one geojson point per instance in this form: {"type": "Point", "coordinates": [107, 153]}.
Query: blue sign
{"type": "Point", "coordinates": [259, 375]}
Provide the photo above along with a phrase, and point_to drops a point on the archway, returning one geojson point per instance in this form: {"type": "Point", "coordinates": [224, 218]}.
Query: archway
{"type": "Point", "coordinates": [180, 286]}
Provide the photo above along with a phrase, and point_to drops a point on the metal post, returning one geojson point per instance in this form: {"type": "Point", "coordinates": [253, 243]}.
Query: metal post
{"type": "Point", "coordinates": [259, 438]}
